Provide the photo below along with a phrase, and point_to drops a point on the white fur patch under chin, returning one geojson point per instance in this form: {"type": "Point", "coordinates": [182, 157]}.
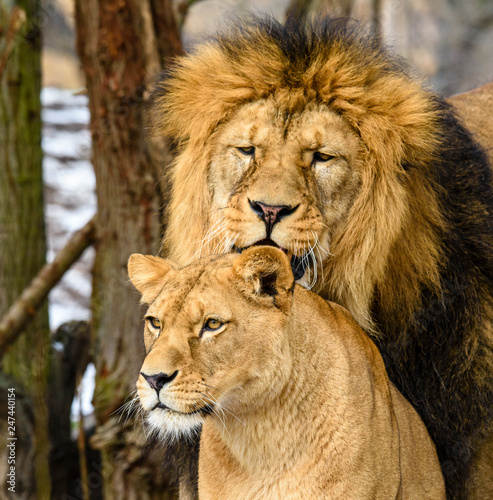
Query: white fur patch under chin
{"type": "Point", "coordinates": [170, 426]}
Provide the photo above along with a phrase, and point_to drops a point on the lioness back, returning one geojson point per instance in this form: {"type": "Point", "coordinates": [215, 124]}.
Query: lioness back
{"type": "Point", "coordinates": [293, 396]}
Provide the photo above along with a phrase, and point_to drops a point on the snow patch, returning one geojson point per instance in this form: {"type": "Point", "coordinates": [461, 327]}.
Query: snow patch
{"type": "Point", "coordinates": [70, 202]}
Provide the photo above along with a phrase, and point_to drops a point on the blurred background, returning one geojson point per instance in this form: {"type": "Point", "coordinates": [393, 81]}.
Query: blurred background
{"type": "Point", "coordinates": [90, 190]}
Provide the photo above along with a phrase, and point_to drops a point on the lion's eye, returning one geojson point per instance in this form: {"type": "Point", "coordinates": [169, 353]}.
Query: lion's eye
{"type": "Point", "coordinates": [213, 324]}
{"type": "Point", "coordinates": [154, 323]}
{"type": "Point", "coordinates": [246, 150]}
{"type": "Point", "coordinates": [319, 157]}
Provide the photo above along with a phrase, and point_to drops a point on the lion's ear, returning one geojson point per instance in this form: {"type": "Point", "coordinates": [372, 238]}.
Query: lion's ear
{"type": "Point", "coordinates": [146, 273]}
{"type": "Point", "coordinates": [265, 274]}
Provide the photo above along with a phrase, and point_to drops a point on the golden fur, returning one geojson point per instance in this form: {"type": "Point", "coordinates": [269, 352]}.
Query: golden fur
{"type": "Point", "coordinates": [390, 203]}
{"type": "Point", "coordinates": [302, 406]}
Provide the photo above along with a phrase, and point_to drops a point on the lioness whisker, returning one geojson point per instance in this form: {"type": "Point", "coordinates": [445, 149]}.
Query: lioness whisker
{"type": "Point", "coordinates": [128, 399]}
{"type": "Point", "coordinates": [223, 408]}
{"type": "Point", "coordinates": [217, 410]}
{"type": "Point", "coordinates": [207, 385]}
{"type": "Point", "coordinates": [132, 411]}
{"type": "Point", "coordinates": [129, 408]}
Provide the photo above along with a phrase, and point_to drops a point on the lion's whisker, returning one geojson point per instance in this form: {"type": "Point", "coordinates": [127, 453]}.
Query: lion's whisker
{"type": "Point", "coordinates": [211, 234]}
{"type": "Point", "coordinates": [208, 238]}
{"type": "Point", "coordinates": [225, 243]}
{"type": "Point", "coordinates": [315, 268]}
{"type": "Point", "coordinates": [311, 256]}
{"type": "Point", "coordinates": [230, 243]}
{"type": "Point", "coordinates": [216, 235]}
{"type": "Point", "coordinates": [326, 252]}
{"type": "Point", "coordinates": [220, 243]}
{"type": "Point", "coordinates": [321, 261]}
{"type": "Point", "coordinates": [214, 210]}
{"type": "Point", "coordinates": [211, 230]}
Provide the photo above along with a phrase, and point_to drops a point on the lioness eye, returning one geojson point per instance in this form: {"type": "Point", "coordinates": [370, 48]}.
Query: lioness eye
{"type": "Point", "coordinates": [247, 150]}
{"type": "Point", "coordinates": [213, 324]}
{"type": "Point", "coordinates": [318, 156]}
{"type": "Point", "coordinates": [154, 322]}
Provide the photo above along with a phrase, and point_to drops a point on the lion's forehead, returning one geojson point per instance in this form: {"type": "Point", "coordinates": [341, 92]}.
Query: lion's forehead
{"type": "Point", "coordinates": [268, 123]}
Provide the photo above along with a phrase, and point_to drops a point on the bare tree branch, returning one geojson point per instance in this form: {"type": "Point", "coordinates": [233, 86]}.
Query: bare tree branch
{"type": "Point", "coordinates": [23, 310]}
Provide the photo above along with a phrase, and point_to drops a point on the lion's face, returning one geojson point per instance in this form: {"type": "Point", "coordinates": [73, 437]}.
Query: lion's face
{"type": "Point", "coordinates": [213, 336]}
{"type": "Point", "coordinates": [317, 143]}
{"type": "Point", "coordinates": [280, 179]}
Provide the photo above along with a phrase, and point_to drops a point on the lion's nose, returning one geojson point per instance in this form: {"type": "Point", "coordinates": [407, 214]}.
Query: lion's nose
{"type": "Point", "coordinates": [159, 380]}
{"type": "Point", "coordinates": [271, 214]}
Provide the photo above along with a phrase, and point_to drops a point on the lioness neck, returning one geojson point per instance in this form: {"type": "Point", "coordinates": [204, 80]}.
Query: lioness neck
{"type": "Point", "coordinates": [314, 413]}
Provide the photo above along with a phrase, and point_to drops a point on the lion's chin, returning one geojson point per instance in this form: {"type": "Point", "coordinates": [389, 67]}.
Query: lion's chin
{"type": "Point", "coordinates": [298, 263]}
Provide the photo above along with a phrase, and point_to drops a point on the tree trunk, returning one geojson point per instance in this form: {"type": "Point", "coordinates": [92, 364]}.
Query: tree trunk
{"type": "Point", "coordinates": [69, 363]}
{"type": "Point", "coordinates": [117, 43]}
{"type": "Point", "coordinates": [22, 245]}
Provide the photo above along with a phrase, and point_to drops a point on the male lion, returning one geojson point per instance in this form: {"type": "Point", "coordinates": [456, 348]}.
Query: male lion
{"type": "Point", "coordinates": [293, 396]}
{"type": "Point", "coordinates": [318, 141]}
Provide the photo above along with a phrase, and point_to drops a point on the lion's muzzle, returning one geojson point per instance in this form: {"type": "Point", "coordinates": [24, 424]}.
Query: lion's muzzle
{"type": "Point", "coordinates": [270, 214]}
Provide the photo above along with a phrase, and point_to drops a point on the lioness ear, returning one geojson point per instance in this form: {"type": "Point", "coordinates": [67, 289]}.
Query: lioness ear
{"type": "Point", "coordinates": [146, 273]}
{"type": "Point", "coordinates": [265, 272]}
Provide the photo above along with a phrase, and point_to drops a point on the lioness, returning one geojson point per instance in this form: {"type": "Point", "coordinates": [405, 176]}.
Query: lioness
{"type": "Point", "coordinates": [293, 396]}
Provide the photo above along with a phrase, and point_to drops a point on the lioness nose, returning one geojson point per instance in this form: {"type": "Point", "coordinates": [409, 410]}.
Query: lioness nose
{"type": "Point", "coordinates": [271, 214]}
{"type": "Point", "coordinates": [159, 380]}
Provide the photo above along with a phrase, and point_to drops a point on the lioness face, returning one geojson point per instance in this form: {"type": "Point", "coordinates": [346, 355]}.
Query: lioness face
{"type": "Point", "coordinates": [283, 179]}
{"type": "Point", "coordinates": [213, 337]}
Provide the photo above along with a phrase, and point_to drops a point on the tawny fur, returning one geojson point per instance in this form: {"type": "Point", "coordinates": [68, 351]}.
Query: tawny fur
{"type": "Point", "coordinates": [303, 405]}
{"type": "Point", "coordinates": [397, 224]}
{"type": "Point", "coordinates": [476, 109]}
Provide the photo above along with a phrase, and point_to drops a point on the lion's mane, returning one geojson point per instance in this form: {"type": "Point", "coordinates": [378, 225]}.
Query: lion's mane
{"type": "Point", "coordinates": [415, 262]}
